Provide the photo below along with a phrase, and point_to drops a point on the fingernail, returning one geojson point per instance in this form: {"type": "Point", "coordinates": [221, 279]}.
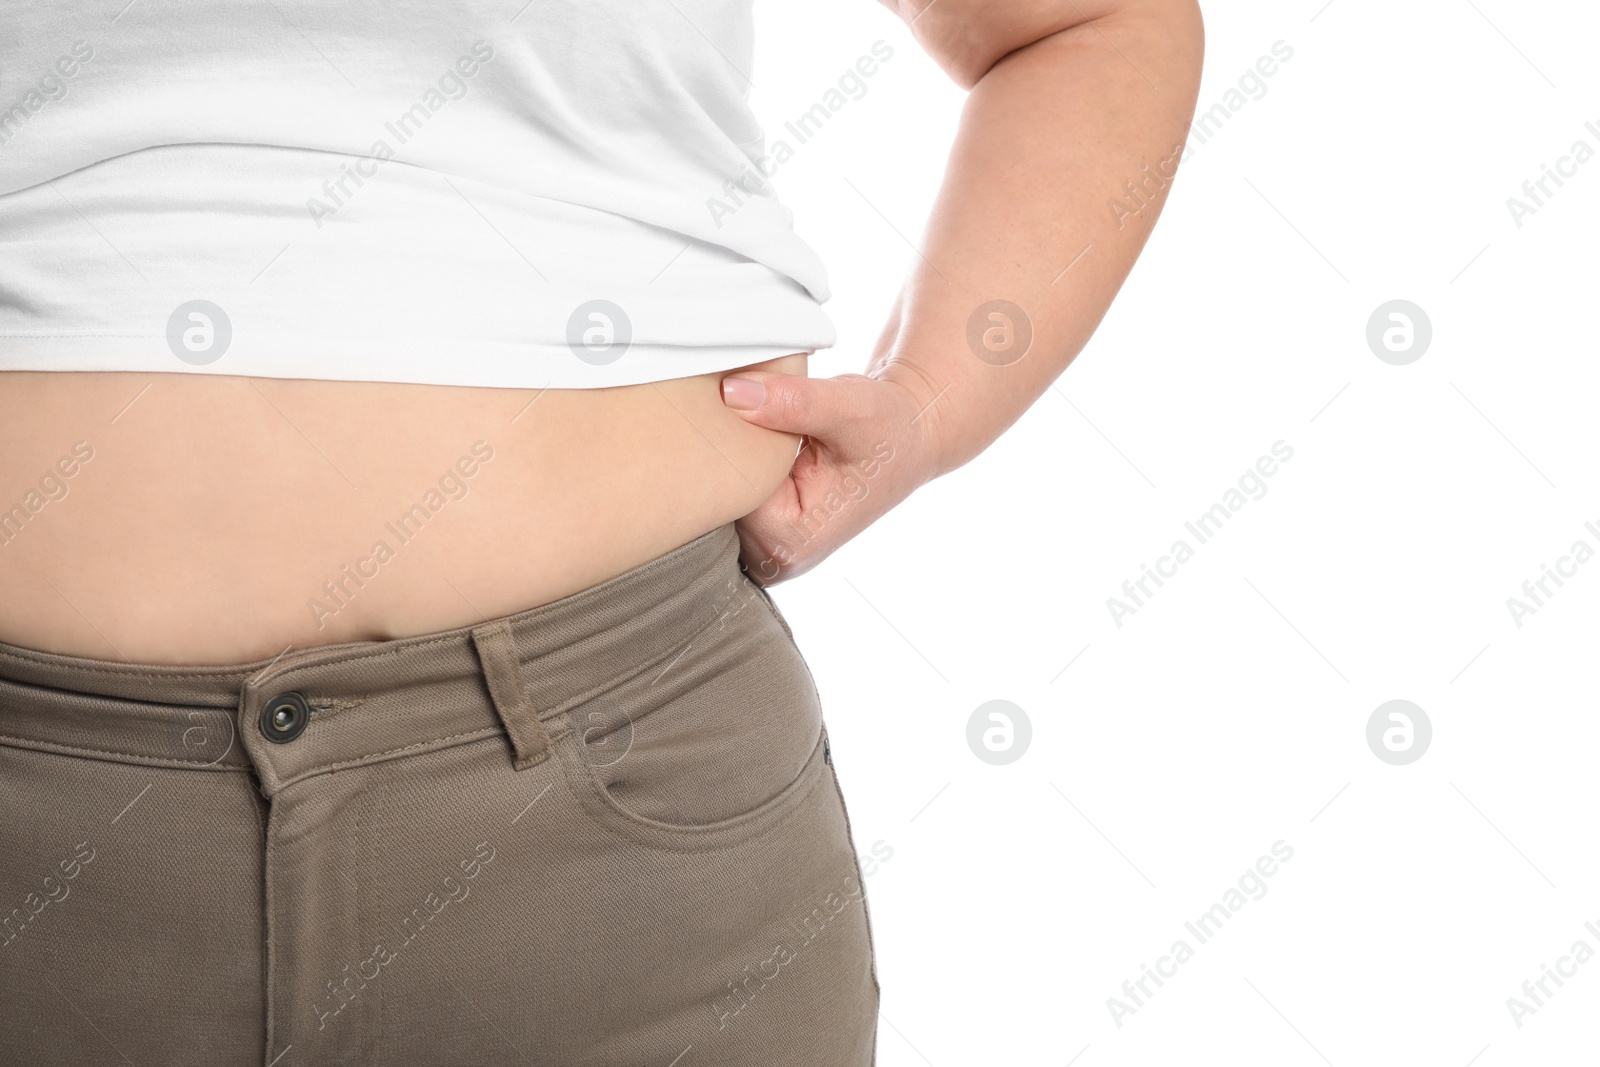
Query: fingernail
{"type": "Point", "coordinates": [743, 393]}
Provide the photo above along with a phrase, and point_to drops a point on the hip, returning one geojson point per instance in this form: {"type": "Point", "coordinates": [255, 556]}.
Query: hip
{"type": "Point", "coordinates": [610, 825]}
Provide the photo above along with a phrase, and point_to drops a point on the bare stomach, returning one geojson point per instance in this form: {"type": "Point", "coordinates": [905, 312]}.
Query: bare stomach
{"type": "Point", "coordinates": [189, 519]}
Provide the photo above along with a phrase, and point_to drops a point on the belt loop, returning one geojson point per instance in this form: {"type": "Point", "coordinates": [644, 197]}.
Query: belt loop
{"type": "Point", "coordinates": [502, 670]}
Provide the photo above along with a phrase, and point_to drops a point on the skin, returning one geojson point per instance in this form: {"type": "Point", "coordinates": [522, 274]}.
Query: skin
{"type": "Point", "coordinates": [215, 508]}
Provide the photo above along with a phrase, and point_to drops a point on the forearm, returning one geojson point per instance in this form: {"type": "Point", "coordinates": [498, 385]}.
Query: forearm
{"type": "Point", "coordinates": [1048, 139]}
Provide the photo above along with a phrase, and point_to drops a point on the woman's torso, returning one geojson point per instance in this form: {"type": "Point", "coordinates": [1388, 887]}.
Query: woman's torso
{"type": "Point", "coordinates": [222, 520]}
{"type": "Point", "coordinates": [439, 194]}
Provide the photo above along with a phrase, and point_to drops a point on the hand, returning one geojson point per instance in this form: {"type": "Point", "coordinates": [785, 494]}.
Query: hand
{"type": "Point", "coordinates": [869, 443]}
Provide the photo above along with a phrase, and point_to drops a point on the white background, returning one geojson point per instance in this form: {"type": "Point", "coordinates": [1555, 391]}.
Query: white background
{"type": "Point", "coordinates": [1230, 712]}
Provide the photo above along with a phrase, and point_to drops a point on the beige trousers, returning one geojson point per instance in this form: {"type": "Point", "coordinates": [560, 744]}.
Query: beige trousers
{"type": "Point", "coordinates": [602, 832]}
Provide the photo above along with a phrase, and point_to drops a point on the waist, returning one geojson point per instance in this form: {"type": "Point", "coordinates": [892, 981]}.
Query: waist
{"type": "Point", "coordinates": [203, 520]}
{"type": "Point", "coordinates": [424, 692]}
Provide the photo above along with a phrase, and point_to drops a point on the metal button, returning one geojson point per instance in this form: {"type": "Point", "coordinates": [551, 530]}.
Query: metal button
{"type": "Point", "coordinates": [284, 718]}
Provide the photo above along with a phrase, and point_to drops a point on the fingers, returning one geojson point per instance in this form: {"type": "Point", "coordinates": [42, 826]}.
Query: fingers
{"type": "Point", "coordinates": [773, 549]}
{"type": "Point", "coordinates": [789, 403]}
{"type": "Point", "coordinates": [759, 563]}
{"type": "Point", "coordinates": [858, 426]}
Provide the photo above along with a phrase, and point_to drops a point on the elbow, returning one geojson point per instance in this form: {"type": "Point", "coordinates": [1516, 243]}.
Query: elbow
{"type": "Point", "coordinates": [1170, 31]}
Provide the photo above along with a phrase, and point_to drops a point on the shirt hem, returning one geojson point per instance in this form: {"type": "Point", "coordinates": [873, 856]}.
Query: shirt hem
{"type": "Point", "coordinates": [518, 367]}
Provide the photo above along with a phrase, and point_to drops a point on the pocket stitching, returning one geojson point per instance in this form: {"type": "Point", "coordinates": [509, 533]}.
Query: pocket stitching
{"type": "Point", "coordinates": [603, 689]}
{"type": "Point", "coordinates": [591, 794]}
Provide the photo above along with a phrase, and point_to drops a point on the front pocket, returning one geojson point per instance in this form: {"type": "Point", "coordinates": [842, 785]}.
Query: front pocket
{"type": "Point", "coordinates": [721, 739]}
{"type": "Point", "coordinates": [603, 808]}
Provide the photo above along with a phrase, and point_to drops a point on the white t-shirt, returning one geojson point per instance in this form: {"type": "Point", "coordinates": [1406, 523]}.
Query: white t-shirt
{"type": "Point", "coordinates": [456, 193]}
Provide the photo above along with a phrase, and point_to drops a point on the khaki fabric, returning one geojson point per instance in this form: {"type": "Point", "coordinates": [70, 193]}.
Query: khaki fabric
{"type": "Point", "coordinates": [605, 832]}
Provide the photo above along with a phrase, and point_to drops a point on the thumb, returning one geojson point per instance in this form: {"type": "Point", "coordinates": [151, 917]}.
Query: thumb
{"type": "Point", "coordinates": [793, 403]}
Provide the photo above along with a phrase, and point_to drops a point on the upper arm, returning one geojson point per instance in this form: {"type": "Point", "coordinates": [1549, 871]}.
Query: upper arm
{"type": "Point", "coordinates": [968, 37]}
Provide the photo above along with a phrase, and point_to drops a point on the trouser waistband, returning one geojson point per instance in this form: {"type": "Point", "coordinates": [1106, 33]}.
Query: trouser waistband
{"type": "Point", "coordinates": [367, 701]}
